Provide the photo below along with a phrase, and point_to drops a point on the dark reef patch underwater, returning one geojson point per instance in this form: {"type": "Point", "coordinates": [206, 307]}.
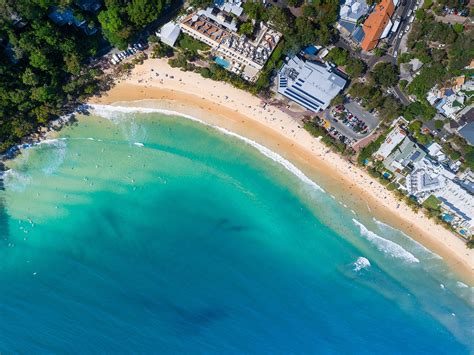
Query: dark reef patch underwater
{"type": "Point", "coordinates": [152, 233]}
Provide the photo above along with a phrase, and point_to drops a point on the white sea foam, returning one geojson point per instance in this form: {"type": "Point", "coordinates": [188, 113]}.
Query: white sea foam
{"type": "Point", "coordinates": [387, 246]}
{"type": "Point", "coordinates": [15, 180]}
{"type": "Point", "coordinates": [418, 245]}
{"type": "Point", "coordinates": [361, 263]}
{"type": "Point", "coordinates": [55, 160]}
{"type": "Point", "coordinates": [49, 141]}
{"type": "Point", "coordinates": [109, 112]}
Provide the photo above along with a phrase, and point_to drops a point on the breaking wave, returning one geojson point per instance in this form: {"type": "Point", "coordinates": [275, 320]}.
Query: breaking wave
{"type": "Point", "coordinates": [386, 246]}
{"type": "Point", "coordinates": [416, 244]}
{"type": "Point", "coordinates": [361, 263]}
{"type": "Point", "coordinates": [15, 180]}
{"type": "Point", "coordinates": [110, 112]}
{"type": "Point", "coordinates": [55, 160]}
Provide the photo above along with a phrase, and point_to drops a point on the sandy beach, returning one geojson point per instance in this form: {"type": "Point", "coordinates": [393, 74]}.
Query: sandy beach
{"type": "Point", "coordinates": [155, 84]}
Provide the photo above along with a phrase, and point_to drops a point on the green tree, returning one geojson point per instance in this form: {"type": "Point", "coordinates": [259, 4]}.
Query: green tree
{"type": "Point", "coordinates": [114, 27]}
{"type": "Point", "coordinates": [246, 28]}
{"type": "Point", "coordinates": [385, 74]}
{"type": "Point", "coordinates": [29, 77]}
{"type": "Point", "coordinates": [458, 28]}
{"type": "Point", "coordinates": [470, 243]}
{"type": "Point", "coordinates": [439, 124]}
{"type": "Point", "coordinates": [73, 63]}
{"type": "Point", "coordinates": [142, 12]}
{"type": "Point", "coordinates": [337, 100]}
{"type": "Point", "coordinates": [428, 77]}
{"type": "Point", "coordinates": [338, 56]}
{"type": "Point", "coordinates": [255, 10]}
{"type": "Point", "coordinates": [355, 67]}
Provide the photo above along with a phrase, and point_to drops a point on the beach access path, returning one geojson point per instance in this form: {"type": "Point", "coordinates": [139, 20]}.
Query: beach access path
{"type": "Point", "coordinates": [155, 84]}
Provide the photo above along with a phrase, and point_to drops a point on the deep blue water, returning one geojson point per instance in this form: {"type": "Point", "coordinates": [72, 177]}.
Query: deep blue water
{"type": "Point", "coordinates": [195, 242]}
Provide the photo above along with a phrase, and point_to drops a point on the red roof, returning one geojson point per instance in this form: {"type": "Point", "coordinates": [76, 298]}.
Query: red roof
{"type": "Point", "coordinates": [376, 22]}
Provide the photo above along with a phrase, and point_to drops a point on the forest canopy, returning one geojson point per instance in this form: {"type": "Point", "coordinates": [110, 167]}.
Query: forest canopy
{"type": "Point", "coordinates": [45, 49]}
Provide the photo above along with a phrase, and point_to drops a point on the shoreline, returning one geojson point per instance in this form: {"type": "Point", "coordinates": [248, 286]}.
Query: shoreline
{"type": "Point", "coordinates": [156, 85]}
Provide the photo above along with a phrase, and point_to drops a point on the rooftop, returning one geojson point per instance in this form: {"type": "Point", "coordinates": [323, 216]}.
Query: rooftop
{"type": "Point", "coordinates": [391, 141]}
{"type": "Point", "coordinates": [467, 132]}
{"type": "Point", "coordinates": [169, 33]}
{"type": "Point", "coordinates": [205, 26]}
{"type": "Point", "coordinates": [246, 56]}
{"type": "Point", "coordinates": [66, 16]}
{"type": "Point", "coordinates": [311, 84]}
{"type": "Point", "coordinates": [376, 23]}
{"type": "Point", "coordinates": [408, 152]}
{"type": "Point", "coordinates": [352, 10]}
{"type": "Point", "coordinates": [222, 16]}
{"type": "Point", "coordinates": [458, 200]}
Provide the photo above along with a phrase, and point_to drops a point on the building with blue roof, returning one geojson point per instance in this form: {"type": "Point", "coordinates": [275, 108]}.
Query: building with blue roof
{"type": "Point", "coordinates": [358, 34]}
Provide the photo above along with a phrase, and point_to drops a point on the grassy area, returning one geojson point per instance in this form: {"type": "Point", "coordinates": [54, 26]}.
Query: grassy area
{"type": "Point", "coordinates": [427, 4]}
{"type": "Point", "coordinates": [187, 42]}
{"type": "Point", "coordinates": [432, 203]}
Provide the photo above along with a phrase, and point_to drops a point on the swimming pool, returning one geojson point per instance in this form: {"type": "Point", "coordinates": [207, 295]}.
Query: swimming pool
{"type": "Point", "coordinates": [222, 62]}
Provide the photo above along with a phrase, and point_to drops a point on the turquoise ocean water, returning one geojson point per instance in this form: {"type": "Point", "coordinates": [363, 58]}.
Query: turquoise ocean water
{"type": "Point", "coordinates": [149, 233]}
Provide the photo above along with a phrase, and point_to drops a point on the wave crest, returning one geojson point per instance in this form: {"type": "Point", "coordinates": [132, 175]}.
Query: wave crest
{"type": "Point", "coordinates": [361, 263]}
{"type": "Point", "coordinates": [109, 112]}
{"type": "Point", "coordinates": [417, 244]}
{"type": "Point", "coordinates": [386, 246]}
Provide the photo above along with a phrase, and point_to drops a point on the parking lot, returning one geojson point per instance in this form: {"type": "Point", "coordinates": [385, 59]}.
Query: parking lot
{"type": "Point", "coordinates": [118, 56]}
{"type": "Point", "coordinates": [353, 130]}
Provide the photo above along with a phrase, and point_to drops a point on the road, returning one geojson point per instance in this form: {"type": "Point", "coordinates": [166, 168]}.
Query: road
{"type": "Point", "coordinates": [401, 13]}
{"type": "Point", "coordinates": [401, 95]}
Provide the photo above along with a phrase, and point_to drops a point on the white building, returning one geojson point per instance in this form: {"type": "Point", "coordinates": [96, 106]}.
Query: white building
{"type": "Point", "coordinates": [429, 178]}
{"type": "Point", "coordinates": [236, 53]}
{"type": "Point", "coordinates": [452, 105]}
{"type": "Point", "coordinates": [426, 178]}
{"type": "Point", "coordinates": [352, 10]}
{"type": "Point", "coordinates": [169, 33]}
{"type": "Point", "coordinates": [393, 139]}
{"type": "Point", "coordinates": [310, 84]}
{"type": "Point", "coordinates": [436, 152]}
{"type": "Point", "coordinates": [232, 7]}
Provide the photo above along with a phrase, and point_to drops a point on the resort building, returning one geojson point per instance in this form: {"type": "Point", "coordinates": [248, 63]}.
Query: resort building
{"type": "Point", "coordinates": [169, 33]}
{"type": "Point", "coordinates": [393, 139]}
{"type": "Point", "coordinates": [376, 24]}
{"type": "Point", "coordinates": [310, 84]}
{"type": "Point", "coordinates": [426, 178]}
{"type": "Point", "coordinates": [457, 202]}
{"type": "Point", "coordinates": [235, 52]}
